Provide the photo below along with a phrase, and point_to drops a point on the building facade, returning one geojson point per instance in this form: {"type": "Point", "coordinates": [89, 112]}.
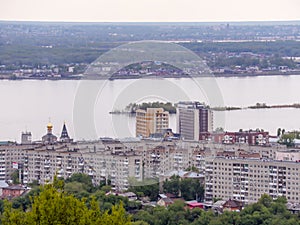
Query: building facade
{"type": "Point", "coordinates": [247, 179]}
{"type": "Point", "coordinates": [194, 120]}
{"type": "Point", "coordinates": [151, 121]}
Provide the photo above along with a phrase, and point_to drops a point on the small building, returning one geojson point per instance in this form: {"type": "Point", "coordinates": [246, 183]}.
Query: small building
{"type": "Point", "coordinates": [130, 195]}
{"type": "Point", "coordinates": [218, 206]}
{"type": "Point", "coordinates": [194, 204]}
{"type": "Point", "coordinates": [232, 205]}
{"type": "Point", "coordinates": [165, 202]}
{"type": "Point", "coordinates": [12, 191]}
{"type": "Point", "coordinates": [288, 155]}
{"type": "Point", "coordinates": [247, 137]}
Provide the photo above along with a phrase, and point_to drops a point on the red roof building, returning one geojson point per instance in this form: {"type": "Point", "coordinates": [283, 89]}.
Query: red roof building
{"type": "Point", "coordinates": [12, 191]}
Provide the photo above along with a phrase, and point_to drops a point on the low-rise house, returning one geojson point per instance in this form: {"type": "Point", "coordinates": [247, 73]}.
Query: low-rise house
{"type": "Point", "coordinates": [232, 205]}
{"type": "Point", "coordinates": [13, 191]}
{"type": "Point", "coordinates": [130, 195]}
{"type": "Point", "coordinates": [194, 204]}
{"type": "Point", "coordinates": [165, 202]}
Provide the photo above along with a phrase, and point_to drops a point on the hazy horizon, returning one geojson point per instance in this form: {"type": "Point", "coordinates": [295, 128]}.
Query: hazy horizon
{"type": "Point", "coordinates": [149, 11]}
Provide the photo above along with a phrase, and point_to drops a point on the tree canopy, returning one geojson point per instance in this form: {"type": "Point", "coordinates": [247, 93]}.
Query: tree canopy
{"type": "Point", "coordinates": [54, 206]}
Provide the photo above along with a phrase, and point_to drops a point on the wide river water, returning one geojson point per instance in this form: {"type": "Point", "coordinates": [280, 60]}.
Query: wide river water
{"type": "Point", "coordinates": [28, 105]}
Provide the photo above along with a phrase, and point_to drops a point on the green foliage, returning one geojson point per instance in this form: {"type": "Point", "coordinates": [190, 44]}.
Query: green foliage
{"type": "Point", "coordinates": [15, 177]}
{"type": "Point", "coordinates": [288, 139]}
{"type": "Point", "coordinates": [53, 206]}
{"type": "Point", "coordinates": [187, 188]}
{"type": "Point", "coordinates": [132, 107]}
{"type": "Point", "coordinates": [265, 212]}
{"type": "Point", "coordinates": [81, 179]}
{"type": "Point", "coordinates": [172, 185]}
{"type": "Point", "coordinates": [191, 189]}
{"type": "Point", "coordinates": [148, 187]}
{"type": "Point", "coordinates": [193, 169]}
{"type": "Point", "coordinates": [33, 184]}
{"type": "Point", "coordinates": [276, 48]}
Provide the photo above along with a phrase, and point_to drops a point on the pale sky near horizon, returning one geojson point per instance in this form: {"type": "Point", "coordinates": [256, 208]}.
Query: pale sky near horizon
{"type": "Point", "coordinates": [149, 10]}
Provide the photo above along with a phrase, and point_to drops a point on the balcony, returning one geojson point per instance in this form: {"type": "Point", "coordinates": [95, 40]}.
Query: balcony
{"type": "Point", "coordinates": [102, 174]}
{"type": "Point", "coordinates": [208, 192]}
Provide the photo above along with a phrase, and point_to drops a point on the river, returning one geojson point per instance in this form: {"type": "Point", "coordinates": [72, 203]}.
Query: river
{"type": "Point", "coordinates": [28, 105]}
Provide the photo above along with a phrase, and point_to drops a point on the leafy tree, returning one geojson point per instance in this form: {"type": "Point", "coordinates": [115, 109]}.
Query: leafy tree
{"type": "Point", "coordinates": [15, 177]}
{"type": "Point", "coordinates": [187, 188]}
{"type": "Point", "coordinates": [191, 189]}
{"type": "Point", "coordinates": [193, 169]}
{"type": "Point", "coordinates": [219, 129]}
{"type": "Point", "coordinates": [287, 139]}
{"type": "Point", "coordinates": [54, 206]}
{"type": "Point", "coordinates": [82, 178]}
{"type": "Point", "coordinates": [172, 185]}
{"type": "Point", "coordinates": [278, 132]}
{"type": "Point", "coordinates": [148, 187]}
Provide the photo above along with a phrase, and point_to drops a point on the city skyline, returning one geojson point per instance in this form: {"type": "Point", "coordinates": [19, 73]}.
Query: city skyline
{"type": "Point", "coordinates": [150, 11]}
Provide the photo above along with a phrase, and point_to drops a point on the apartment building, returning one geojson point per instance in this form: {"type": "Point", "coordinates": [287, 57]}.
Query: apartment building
{"type": "Point", "coordinates": [246, 179]}
{"type": "Point", "coordinates": [151, 121]}
{"type": "Point", "coordinates": [104, 159]}
{"type": "Point", "coordinates": [91, 158]}
{"type": "Point", "coordinates": [194, 120]}
{"type": "Point", "coordinates": [251, 137]}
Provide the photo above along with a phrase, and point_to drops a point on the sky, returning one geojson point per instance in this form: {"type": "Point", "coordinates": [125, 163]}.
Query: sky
{"type": "Point", "coordinates": [149, 10]}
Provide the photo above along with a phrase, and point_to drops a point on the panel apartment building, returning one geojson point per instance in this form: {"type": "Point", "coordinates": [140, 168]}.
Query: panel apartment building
{"type": "Point", "coordinates": [246, 179]}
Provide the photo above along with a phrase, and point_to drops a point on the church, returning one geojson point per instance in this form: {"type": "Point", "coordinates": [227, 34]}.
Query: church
{"type": "Point", "coordinates": [50, 138]}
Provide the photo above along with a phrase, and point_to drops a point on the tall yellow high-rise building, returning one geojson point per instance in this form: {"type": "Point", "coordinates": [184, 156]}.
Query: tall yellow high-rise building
{"type": "Point", "coordinates": [151, 121]}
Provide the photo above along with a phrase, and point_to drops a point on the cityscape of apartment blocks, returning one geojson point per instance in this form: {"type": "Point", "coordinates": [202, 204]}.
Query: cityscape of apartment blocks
{"type": "Point", "coordinates": [239, 165]}
{"type": "Point", "coordinates": [237, 170]}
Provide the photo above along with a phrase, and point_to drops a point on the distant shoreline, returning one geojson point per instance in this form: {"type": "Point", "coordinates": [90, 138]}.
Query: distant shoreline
{"type": "Point", "coordinates": [227, 108]}
{"type": "Point", "coordinates": [130, 77]}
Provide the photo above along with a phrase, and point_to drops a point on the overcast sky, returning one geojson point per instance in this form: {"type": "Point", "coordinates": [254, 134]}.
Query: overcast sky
{"type": "Point", "coordinates": [149, 10]}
